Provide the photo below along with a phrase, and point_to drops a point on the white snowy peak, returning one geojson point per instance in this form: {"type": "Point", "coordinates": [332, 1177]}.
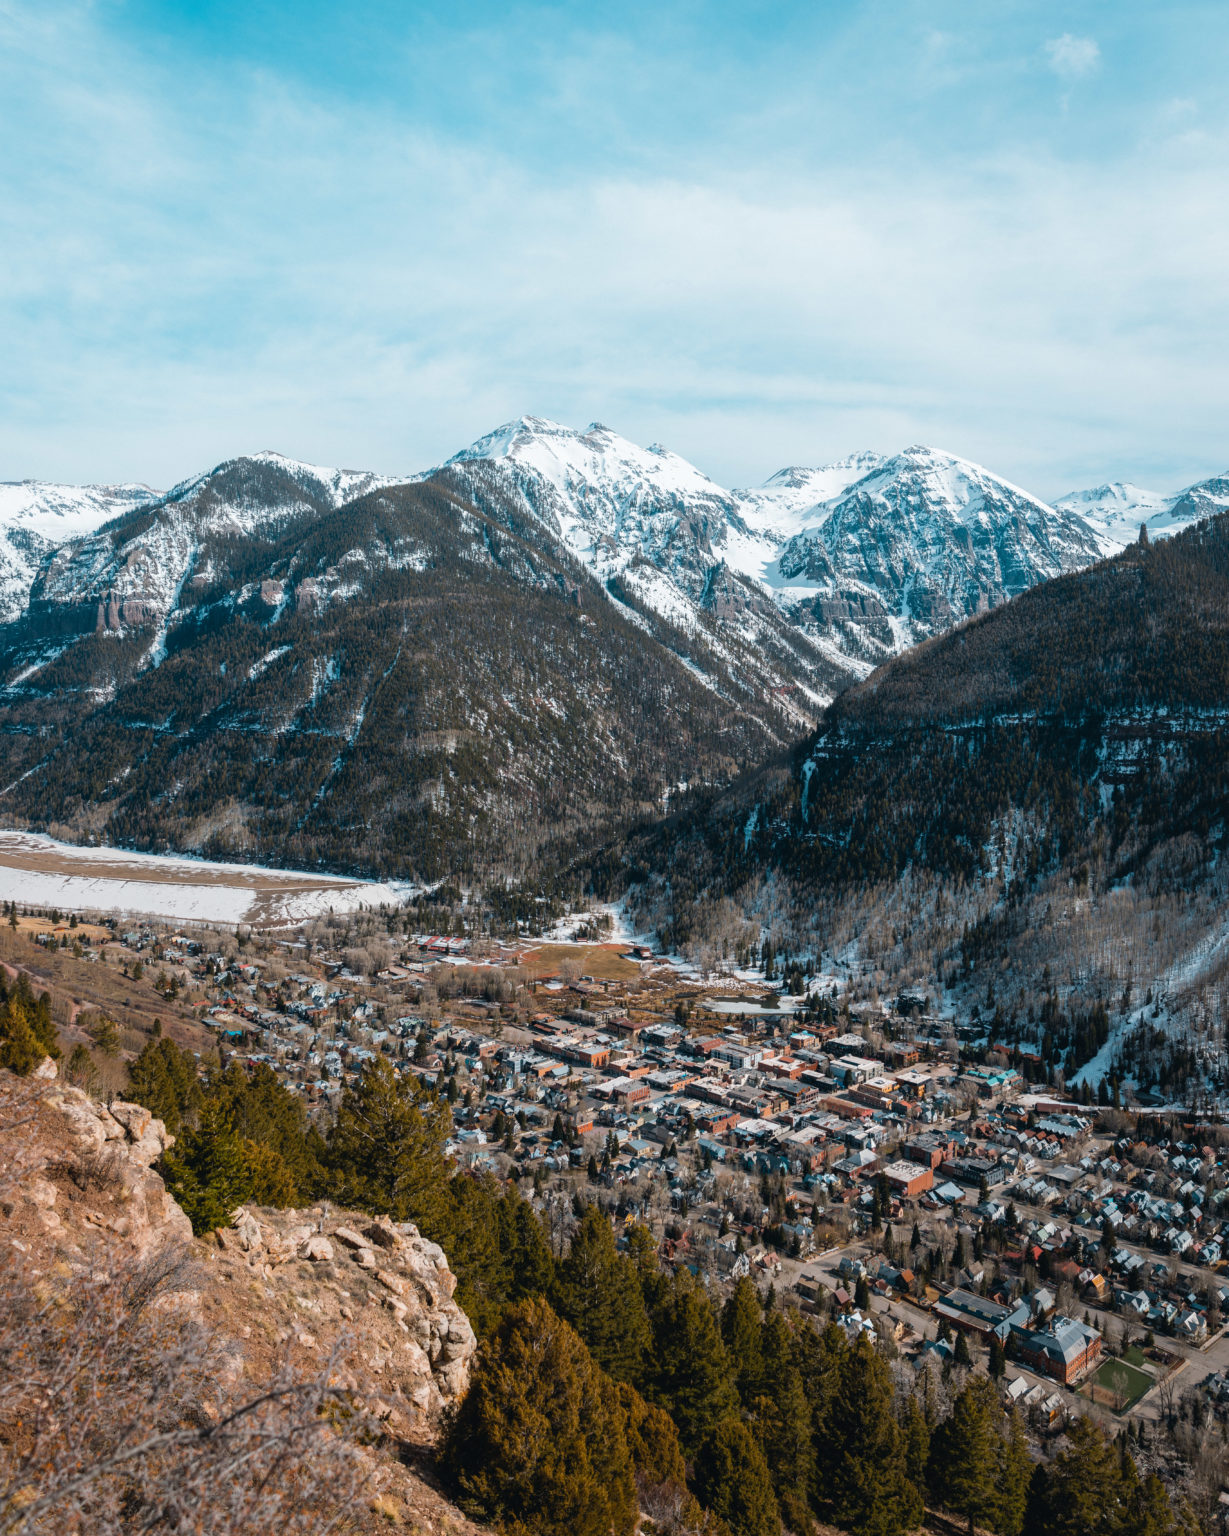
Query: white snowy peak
{"type": "Point", "coordinates": [264, 486]}
{"type": "Point", "coordinates": [925, 540]}
{"type": "Point", "coordinates": [141, 567]}
{"type": "Point", "coordinates": [1118, 510]}
{"type": "Point", "coordinates": [597, 459]}
{"type": "Point", "coordinates": [36, 517]}
{"type": "Point", "coordinates": [59, 512]}
{"type": "Point", "coordinates": [780, 506]}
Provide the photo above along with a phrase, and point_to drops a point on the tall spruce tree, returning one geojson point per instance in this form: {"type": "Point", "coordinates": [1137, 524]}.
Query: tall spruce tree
{"type": "Point", "coordinates": [916, 1433]}
{"type": "Point", "coordinates": [27, 1030]}
{"type": "Point", "coordinates": [166, 1081]}
{"type": "Point", "coordinates": [206, 1171]}
{"type": "Point", "coordinates": [965, 1454]}
{"type": "Point", "coordinates": [741, 1326]}
{"type": "Point", "coordinates": [597, 1289]}
{"type": "Point", "coordinates": [386, 1149]}
{"type": "Point", "coordinates": [868, 1485]}
{"type": "Point", "coordinates": [692, 1378]}
{"type": "Point", "coordinates": [732, 1479]}
{"type": "Point", "coordinates": [1082, 1492]}
{"type": "Point", "coordinates": [538, 1443]}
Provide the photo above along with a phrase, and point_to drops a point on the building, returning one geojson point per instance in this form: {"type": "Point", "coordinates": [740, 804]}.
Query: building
{"type": "Point", "coordinates": [979, 1315]}
{"type": "Point", "coordinates": [909, 1179]}
{"type": "Point", "coordinates": [1063, 1348]}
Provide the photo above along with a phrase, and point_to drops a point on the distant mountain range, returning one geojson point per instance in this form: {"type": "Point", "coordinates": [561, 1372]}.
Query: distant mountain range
{"type": "Point", "coordinates": [552, 632]}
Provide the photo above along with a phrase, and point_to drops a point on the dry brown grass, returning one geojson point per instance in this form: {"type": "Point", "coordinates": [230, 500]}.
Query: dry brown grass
{"type": "Point", "coordinates": [604, 962]}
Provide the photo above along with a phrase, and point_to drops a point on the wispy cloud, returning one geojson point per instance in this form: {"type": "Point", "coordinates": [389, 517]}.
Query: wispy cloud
{"type": "Point", "coordinates": [1071, 57]}
{"type": "Point", "coordinates": [193, 265]}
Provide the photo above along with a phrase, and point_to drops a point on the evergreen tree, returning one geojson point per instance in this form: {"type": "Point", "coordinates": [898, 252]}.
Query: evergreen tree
{"type": "Point", "coordinates": [1083, 1491]}
{"type": "Point", "coordinates": [962, 1354]}
{"type": "Point", "coordinates": [997, 1365]}
{"type": "Point", "coordinates": [868, 1484]}
{"type": "Point", "coordinates": [731, 1479]}
{"type": "Point", "coordinates": [165, 1080]}
{"type": "Point", "coordinates": [27, 1032]}
{"type": "Point", "coordinates": [916, 1434]}
{"type": "Point", "coordinates": [783, 1427]}
{"type": "Point", "coordinates": [740, 1329]}
{"type": "Point", "coordinates": [692, 1378]}
{"type": "Point", "coordinates": [386, 1149]}
{"type": "Point", "coordinates": [964, 1454]}
{"type": "Point", "coordinates": [1015, 1475]}
{"type": "Point", "coordinates": [538, 1442]}
{"type": "Point", "coordinates": [206, 1171]}
{"type": "Point", "coordinates": [652, 1440]}
{"type": "Point", "coordinates": [598, 1291]}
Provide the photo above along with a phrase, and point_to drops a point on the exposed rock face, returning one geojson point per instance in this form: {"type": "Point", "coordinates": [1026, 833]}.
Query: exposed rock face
{"type": "Point", "coordinates": [74, 1171]}
{"type": "Point", "coordinates": [333, 1280]}
{"type": "Point", "coordinates": [372, 1300]}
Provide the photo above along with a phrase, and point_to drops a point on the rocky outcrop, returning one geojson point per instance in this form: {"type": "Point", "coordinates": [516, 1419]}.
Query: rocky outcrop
{"type": "Point", "coordinates": [75, 1172]}
{"type": "Point", "coordinates": [370, 1300]}
{"type": "Point", "coordinates": [375, 1294]}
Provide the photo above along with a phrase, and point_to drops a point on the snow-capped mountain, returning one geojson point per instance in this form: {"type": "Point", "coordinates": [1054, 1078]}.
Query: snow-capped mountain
{"type": "Point", "coordinates": [136, 573]}
{"type": "Point", "coordinates": [797, 587]}
{"type": "Point", "coordinates": [864, 556]}
{"type": "Point", "coordinates": [36, 517]}
{"type": "Point", "coordinates": [665, 542]}
{"type": "Point", "coordinates": [923, 541]}
{"type": "Point", "coordinates": [1118, 510]}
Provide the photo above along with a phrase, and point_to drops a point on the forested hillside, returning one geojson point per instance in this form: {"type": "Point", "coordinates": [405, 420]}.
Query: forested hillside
{"type": "Point", "coordinates": [1040, 794]}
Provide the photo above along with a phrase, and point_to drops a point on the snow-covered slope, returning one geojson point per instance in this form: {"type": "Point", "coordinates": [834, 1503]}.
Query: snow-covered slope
{"type": "Point", "coordinates": [136, 572]}
{"type": "Point", "coordinates": [1118, 510]}
{"type": "Point", "coordinates": [662, 539]}
{"type": "Point", "coordinates": [802, 584]}
{"type": "Point", "coordinates": [35, 517]}
{"type": "Point", "coordinates": [922, 542]}
{"type": "Point", "coordinates": [780, 507]}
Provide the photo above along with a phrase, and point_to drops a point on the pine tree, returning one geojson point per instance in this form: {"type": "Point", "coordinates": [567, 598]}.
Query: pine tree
{"type": "Point", "coordinates": [997, 1365]}
{"type": "Point", "coordinates": [27, 1031]}
{"type": "Point", "coordinates": [1015, 1475]}
{"type": "Point", "coordinates": [538, 1442]}
{"type": "Point", "coordinates": [693, 1379]}
{"type": "Point", "coordinates": [165, 1080]}
{"type": "Point", "coordinates": [740, 1329]}
{"type": "Point", "coordinates": [916, 1434]}
{"type": "Point", "coordinates": [964, 1454]}
{"type": "Point", "coordinates": [386, 1149]}
{"type": "Point", "coordinates": [1081, 1492]}
{"type": "Point", "coordinates": [597, 1290]}
{"type": "Point", "coordinates": [869, 1485]}
{"type": "Point", "coordinates": [652, 1440]}
{"type": "Point", "coordinates": [207, 1173]}
{"type": "Point", "coordinates": [962, 1355]}
{"type": "Point", "coordinates": [783, 1427]}
{"type": "Point", "coordinates": [731, 1479]}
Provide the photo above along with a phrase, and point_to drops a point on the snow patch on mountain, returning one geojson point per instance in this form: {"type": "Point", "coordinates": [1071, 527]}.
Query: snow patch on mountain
{"type": "Point", "coordinates": [924, 540]}
{"type": "Point", "coordinates": [36, 517]}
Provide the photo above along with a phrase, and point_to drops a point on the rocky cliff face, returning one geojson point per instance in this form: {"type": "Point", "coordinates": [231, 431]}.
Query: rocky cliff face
{"type": "Point", "coordinates": [373, 1299]}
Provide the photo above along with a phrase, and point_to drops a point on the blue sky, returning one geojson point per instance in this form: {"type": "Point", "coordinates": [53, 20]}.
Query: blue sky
{"type": "Point", "coordinates": [761, 233]}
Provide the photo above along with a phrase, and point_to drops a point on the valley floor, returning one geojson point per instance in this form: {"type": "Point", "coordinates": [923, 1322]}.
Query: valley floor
{"type": "Point", "coordinates": [38, 871]}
